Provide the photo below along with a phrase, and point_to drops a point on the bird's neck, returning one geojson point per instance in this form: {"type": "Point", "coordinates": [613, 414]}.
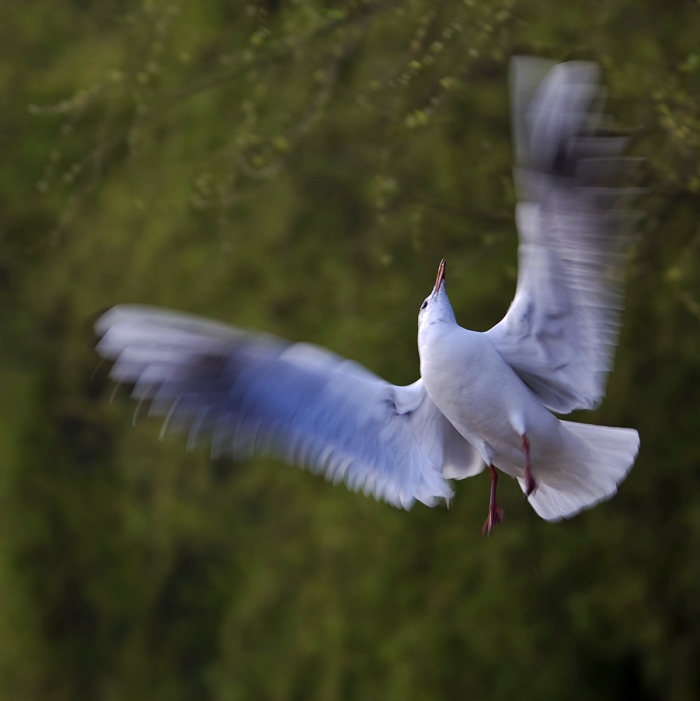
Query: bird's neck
{"type": "Point", "coordinates": [434, 330]}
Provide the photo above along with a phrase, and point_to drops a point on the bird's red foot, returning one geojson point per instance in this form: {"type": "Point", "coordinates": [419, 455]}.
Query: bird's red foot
{"type": "Point", "coordinates": [530, 483]}
{"type": "Point", "coordinates": [495, 517]}
{"type": "Point", "coordinates": [495, 514]}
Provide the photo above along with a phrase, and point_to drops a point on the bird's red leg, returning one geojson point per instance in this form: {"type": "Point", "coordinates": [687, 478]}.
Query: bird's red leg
{"type": "Point", "coordinates": [495, 514]}
{"type": "Point", "coordinates": [530, 484]}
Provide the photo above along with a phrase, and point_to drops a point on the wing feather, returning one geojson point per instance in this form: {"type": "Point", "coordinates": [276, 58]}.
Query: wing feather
{"type": "Point", "coordinates": [560, 332]}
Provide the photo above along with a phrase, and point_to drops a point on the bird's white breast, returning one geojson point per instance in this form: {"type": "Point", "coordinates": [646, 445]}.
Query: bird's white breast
{"type": "Point", "coordinates": [478, 392]}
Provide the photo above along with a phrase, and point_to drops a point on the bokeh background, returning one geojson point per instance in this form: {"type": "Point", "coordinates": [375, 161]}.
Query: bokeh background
{"type": "Point", "coordinates": [301, 166]}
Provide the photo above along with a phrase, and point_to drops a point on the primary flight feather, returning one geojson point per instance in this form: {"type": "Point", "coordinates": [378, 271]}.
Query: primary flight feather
{"type": "Point", "coordinates": [484, 399]}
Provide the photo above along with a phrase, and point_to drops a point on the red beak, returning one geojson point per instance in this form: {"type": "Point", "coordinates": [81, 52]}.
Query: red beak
{"type": "Point", "coordinates": [440, 276]}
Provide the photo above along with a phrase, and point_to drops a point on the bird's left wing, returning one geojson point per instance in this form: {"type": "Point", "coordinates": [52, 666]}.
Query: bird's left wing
{"type": "Point", "coordinates": [252, 394]}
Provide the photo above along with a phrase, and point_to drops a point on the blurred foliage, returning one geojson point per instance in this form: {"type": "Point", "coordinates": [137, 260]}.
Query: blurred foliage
{"type": "Point", "coordinates": [301, 166]}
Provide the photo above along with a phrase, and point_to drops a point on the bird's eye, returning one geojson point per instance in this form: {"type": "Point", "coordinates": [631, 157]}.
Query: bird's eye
{"type": "Point", "coordinates": [424, 305]}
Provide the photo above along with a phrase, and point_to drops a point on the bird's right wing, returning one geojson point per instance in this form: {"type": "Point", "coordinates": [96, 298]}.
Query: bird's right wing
{"type": "Point", "coordinates": [560, 332]}
{"type": "Point", "coordinates": [252, 394]}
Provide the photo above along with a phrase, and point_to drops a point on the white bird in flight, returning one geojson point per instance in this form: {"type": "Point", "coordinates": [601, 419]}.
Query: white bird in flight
{"type": "Point", "coordinates": [484, 399]}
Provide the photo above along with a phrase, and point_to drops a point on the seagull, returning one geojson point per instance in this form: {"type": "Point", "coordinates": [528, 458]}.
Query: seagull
{"type": "Point", "coordinates": [483, 399]}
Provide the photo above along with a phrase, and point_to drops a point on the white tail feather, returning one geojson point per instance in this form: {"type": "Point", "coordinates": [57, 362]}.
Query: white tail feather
{"type": "Point", "coordinates": [601, 457]}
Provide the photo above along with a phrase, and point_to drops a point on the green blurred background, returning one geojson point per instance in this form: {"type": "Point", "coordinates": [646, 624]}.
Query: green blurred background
{"type": "Point", "coordinates": [301, 166]}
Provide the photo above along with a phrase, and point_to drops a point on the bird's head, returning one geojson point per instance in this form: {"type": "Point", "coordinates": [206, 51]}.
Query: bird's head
{"type": "Point", "coordinates": [436, 307]}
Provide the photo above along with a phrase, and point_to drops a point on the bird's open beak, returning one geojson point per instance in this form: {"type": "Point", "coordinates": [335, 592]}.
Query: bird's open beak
{"type": "Point", "coordinates": [440, 277]}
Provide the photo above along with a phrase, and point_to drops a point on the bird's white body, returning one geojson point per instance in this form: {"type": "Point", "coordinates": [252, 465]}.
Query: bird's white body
{"type": "Point", "coordinates": [481, 396]}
